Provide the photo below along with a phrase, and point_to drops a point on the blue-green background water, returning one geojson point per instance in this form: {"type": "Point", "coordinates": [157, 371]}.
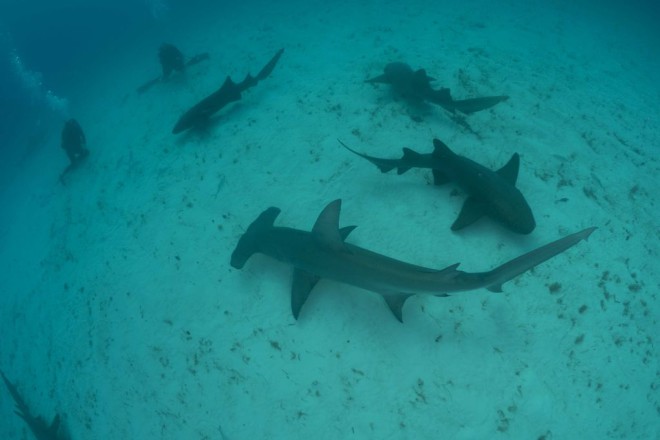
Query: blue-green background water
{"type": "Point", "coordinates": [118, 307]}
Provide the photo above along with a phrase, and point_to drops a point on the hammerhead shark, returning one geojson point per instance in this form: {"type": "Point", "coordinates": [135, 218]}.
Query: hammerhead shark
{"type": "Point", "coordinates": [230, 91]}
{"type": "Point", "coordinates": [415, 86]}
{"type": "Point", "coordinates": [324, 253]}
{"type": "Point", "coordinates": [38, 426]}
{"type": "Point", "coordinates": [490, 193]}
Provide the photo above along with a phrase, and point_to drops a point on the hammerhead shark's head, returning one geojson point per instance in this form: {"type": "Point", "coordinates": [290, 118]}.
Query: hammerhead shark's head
{"type": "Point", "coordinates": [415, 86]}
{"type": "Point", "coordinates": [323, 253]}
{"type": "Point", "coordinates": [38, 426]}
{"type": "Point", "coordinates": [490, 193]}
{"type": "Point", "coordinates": [230, 91]}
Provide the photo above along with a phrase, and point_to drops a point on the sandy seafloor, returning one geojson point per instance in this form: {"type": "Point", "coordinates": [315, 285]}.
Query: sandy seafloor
{"type": "Point", "coordinates": [119, 308]}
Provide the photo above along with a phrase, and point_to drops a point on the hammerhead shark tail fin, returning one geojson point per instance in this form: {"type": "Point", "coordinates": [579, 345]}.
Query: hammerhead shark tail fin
{"type": "Point", "coordinates": [250, 241]}
{"type": "Point", "coordinates": [523, 263]}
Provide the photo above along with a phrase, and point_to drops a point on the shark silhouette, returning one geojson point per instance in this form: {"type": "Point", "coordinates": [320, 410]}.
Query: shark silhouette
{"type": "Point", "coordinates": [38, 426]}
{"type": "Point", "coordinates": [230, 91]}
{"type": "Point", "coordinates": [415, 86]}
{"type": "Point", "coordinates": [171, 59]}
{"type": "Point", "coordinates": [323, 253]}
{"type": "Point", "coordinates": [490, 193]}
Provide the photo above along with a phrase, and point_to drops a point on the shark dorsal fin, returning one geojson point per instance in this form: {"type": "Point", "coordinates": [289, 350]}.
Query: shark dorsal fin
{"type": "Point", "coordinates": [441, 150]}
{"type": "Point", "coordinates": [509, 172]}
{"type": "Point", "coordinates": [326, 229]}
{"type": "Point", "coordinates": [408, 156]}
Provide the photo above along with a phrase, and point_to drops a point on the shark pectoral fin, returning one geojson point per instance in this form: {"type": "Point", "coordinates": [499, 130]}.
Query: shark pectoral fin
{"type": "Point", "coordinates": [303, 283]}
{"type": "Point", "coordinates": [495, 288]}
{"type": "Point", "coordinates": [55, 424]}
{"type": "Point", "coordinates": [442, 97]}
{"type": "Point", "coordinates": [440, 178]}
{"type": "Point", "coordinates": [326, 229]}
{"type": "Point", "coordinates": [509, 172]}
{"type": "Point", "coordinates": [395, 303]}
{"type": "Point", "coordinates": [379, 79]}
{"type": "Point", "coordinates": [472, 211]}
{"type": "Point", "coordinates": [473, 105]}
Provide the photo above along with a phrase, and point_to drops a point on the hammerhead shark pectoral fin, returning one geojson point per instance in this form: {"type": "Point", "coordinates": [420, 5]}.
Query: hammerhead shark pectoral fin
{"type": "Point", "coordinates": [396, 303]}
{"type": "Point", "coordinates": [472, 211]}
{"type": "Point", "coordinates": [303, 283]}
{"type": "Point", "coordinates": [509, 172]}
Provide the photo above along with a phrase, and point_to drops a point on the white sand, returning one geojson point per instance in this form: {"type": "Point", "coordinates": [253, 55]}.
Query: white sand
{"type": "Point", "coordinates": [120, 310]}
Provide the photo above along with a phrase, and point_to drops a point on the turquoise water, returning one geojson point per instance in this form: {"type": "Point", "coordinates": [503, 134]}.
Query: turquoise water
{"type": "Point", "coordinates": [119, 309]}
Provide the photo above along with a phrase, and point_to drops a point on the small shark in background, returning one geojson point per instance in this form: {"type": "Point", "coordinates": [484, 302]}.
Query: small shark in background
{"type": "Point", "coordinates": [38, 426]}
{"type": "Point", "coordinates": [490, 193]}
{"type": "Point", "coordinates": [323, 253]}
{"type": "Point", "coordinates": [171, 59]}
{"type": "Point", "coordinates": [230, 91]}
{"type": "Point", "coordinates": [415, 86]}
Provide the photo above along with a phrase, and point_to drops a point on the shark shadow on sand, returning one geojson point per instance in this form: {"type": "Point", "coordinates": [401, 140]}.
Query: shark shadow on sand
{"type": "Point", "coordinates": [490, 193]}
{"type": "Point", "coordinates": [39, 427]}
{"type": "Point", "coordinates": [323, 253]}
{"type": "Point", "coordinates": [199, 115]}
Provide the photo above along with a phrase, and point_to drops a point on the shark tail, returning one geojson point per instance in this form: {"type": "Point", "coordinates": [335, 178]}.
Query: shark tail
{"type": "Point", "coordinates": [249, 243]}
{"type": "Point", "coordinates": [523, 263]}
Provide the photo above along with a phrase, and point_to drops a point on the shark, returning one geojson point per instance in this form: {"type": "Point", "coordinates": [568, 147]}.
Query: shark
{"type": "Point", "coordinates": [172, 59]}
{"type": "Point", "coordinates": [415, 86]}
{"type": "Point", "coordinates": [324, 253]}
{"type": "Point", "coordinates": [230, 91]}
{"type": "Point", "coordinates": [490, 193]}
{"type": "Point", "coordinates": [39, 427]}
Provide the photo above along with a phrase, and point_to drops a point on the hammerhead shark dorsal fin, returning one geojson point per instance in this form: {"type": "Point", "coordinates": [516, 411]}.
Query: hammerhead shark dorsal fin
{"type": "Point", "coordinates": [472, 211]}
{"type": "Point", "coordinates": [509, 172]}
{"type": "Point", "coordinates": [326, 229]}
{"type": "Point", "coordinates": [396, 303]}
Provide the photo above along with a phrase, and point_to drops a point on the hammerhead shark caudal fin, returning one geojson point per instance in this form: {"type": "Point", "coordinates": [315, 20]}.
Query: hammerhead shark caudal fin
{"type": "Point", "coordinates": [250, 241]}
{"type": "Point", "coordinates": [525, 262]}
